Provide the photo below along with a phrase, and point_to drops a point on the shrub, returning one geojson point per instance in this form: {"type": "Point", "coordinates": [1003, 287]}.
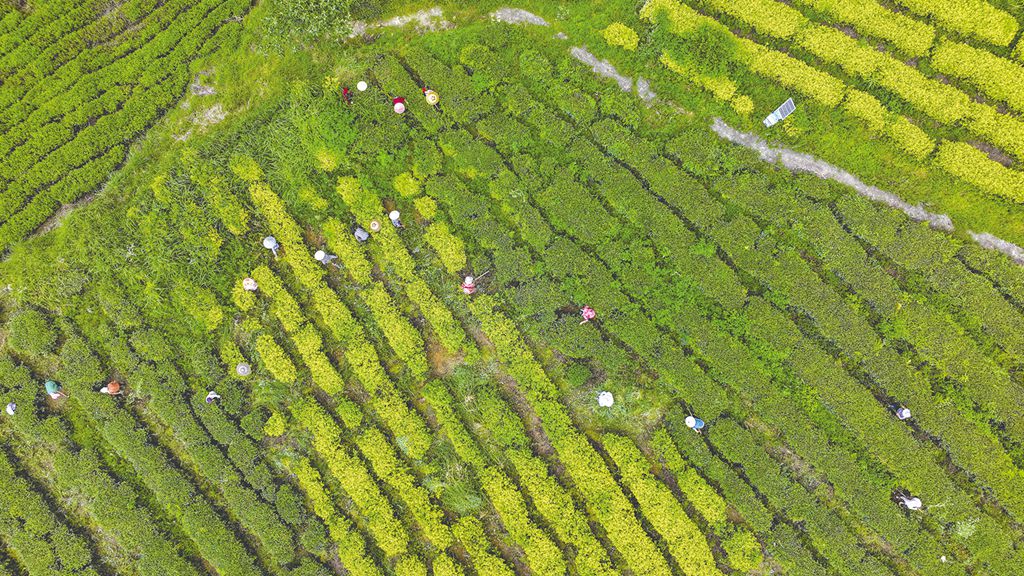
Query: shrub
{"type": "Point", "coordinates": [618, 34]}
{"type": "Point", "coordinates": [742, 104]}
{"type": "Point", "coordinates": [974, 166]}
{"type": "Point", "coordinates": [275, 360]}
{"type": "Point", "coordinates": [449, 247]}
{"type": "Point", "coordinates": [907, 34]}
{"type": "Point", "coordinates": [406, 185]}
{"type": "Point", "coordinates": [246, 168]}
{"type": "Point", "coordinates": [426, 206]}
{"type": "Point", "coordinates": [306, 21]}
{"type": "Point", "coordinates": [969, 17]}
{"type": "Point", "coordinates": [998, 77]}
{"type": "Point", "coordinates": [275, 425]}
{"type": "Point", "coordinates": [707, 48]}
{"type": "Point", "coordinates": [30, 333]}
{"type": "Point", "coordinates": [743, 551]}
{"type": "Point", "coordinates": [766, 16]}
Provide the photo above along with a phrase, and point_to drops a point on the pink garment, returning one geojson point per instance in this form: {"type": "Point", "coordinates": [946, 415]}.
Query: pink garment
{"type": "Point", "coordinates": [588, 314]}
{"type": "Point", "coordinates": [468, 287]}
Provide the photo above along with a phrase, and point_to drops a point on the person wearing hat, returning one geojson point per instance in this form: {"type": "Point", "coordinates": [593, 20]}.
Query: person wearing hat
{"type": "Point", "coordinates": [398, 104]}
{"type": "Point", "coordinates": [323, 257]}
{"type": "Point", "coordinates": [903, 413]}
{"type": "Point", "coordinates": [54, 390]}
{"type": "Point", "coordinates": [212, 396]}
{"type": "Point", "coordinates": [605, 399]}
{"type": "Point", "coordinates": [250, 285]}
{"type": "Point", "coordinates": [361, 235]}
{"type": "Point", "coordinates": [395, 217]}
{"type": "Point", "coordinates": [588, 314]}
{"type": "Point", "coordinates": [431, 96]}
{"type": "Point", "coordinates": [694, 423]}
{"type": "Point", "coordinates": [911, 502]}
{"type": "Point", "coordinates": [469, 285]}
{"type": "Point", "coordinates": [113, 388]}
{"type": "Point", "coordinates": [11, 407]}
{"type": "Point", "coordinates": [270, 243]}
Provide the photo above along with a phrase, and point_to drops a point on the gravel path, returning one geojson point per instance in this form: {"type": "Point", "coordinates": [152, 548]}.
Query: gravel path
{"type": "Point", "coordinates": [517, 16]}
{"type": "Point", "coordinates": [799, 162]}
{"type": "Point", "coordinates": [428, 20]}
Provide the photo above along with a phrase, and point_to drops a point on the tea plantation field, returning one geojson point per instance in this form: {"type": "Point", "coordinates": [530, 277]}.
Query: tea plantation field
{"type": "Point", "coordinates": [368, 417]}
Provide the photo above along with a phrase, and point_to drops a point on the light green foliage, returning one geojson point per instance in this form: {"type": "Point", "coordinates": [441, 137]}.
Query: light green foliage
{"type": "Point", "coordinates": [246, 168]}
{"type": "Point", "coordinates": [744, 551]}
{"type": "Point", "coordinates": [766, 16]}
{"type": "Point", "coordinates": [30, 333]}
{"type": "Point", "coordinates": [275, 425]}
{"type": "Point", "coordinates": [975, 18]}
{"type": "Point", "coordinates": [275, 360]}
{"type": "Point", "coordinates": [998, 77]}
{"type": "Point", "coordinates": [406, 185]}
{"type": "Point", "coordinates": [967, 162]}
{"type": "Point", "coordinates": [684, 538]}
{"type": "Point", "coordinates": [426, 206]}
{"type": "Point", "coordinates": [618, 34]}
{"type": "Point", "coordinates": [907, 34]}
{"type": "Point", "coordinates": [448, 247]}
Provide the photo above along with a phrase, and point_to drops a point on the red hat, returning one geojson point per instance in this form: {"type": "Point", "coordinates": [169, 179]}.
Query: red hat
{"type": "Point", "coordinates": [398, 100]}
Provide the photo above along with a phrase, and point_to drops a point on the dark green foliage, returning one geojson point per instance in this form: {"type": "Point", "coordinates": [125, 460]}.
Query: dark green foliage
{"type": "Point", "coordinates": [306, 21]}
{"type": "Point", "coordinates": [707, 48]}
{"type": "Point", "coordinates": [29, 332]}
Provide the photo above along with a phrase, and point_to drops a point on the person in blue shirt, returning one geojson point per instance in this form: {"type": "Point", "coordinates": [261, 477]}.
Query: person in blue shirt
{"type": "Point", "coordinates": [694, 423]}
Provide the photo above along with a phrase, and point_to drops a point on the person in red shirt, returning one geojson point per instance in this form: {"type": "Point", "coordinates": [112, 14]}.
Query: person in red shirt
{"type": "Point", "coordinates": [399, 105]}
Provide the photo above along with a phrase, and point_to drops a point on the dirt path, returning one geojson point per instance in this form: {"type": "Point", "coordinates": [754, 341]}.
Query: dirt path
{"type": "Point", "coordinates": [801, 162]}
{"type": "Point", "coordinates": [426, 20]}
{"type": "Point", "coordinates": [517, 16]}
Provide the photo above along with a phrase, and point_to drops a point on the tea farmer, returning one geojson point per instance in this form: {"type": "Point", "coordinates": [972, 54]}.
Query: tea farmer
{"type": "Point", "coordinates": [361, 86]}
{"type": "Point", "coordinates": [270, 243]}
{"type": "Point", "coordinates": [911, 502]}
{"type": "Point", "coordinates": [431, 96]}
{"type": "Point", "coordinates": [588, 314]}
{"type": "Point", "coordinates": [212, 396]}
{"type": "Point", "coordinates": [694, 423]}
{"type": "Point", "coordinates": [398, 104]}
{"type": "Point", "coordinates": [250, 285]}
{"type": "Point", "coordinates": [11, 407]}
{"type": "Point", "coordinates": [469, 285]}
{"type": "Point", "coordinates": [113, 388]}
{"type": "Point", "coordinates": [54, 390]}
{"type": "Point", "coordinates": [903, 413]}
{"type": "Point", "coordinates": [394, 215]}
{"type": "Point", "coordinates": [243, 369]}
{"type": "Point", "coordinates": [323, 257]}
{"type": "Point", "coordinates": [361, 235]}
{"type": "Point", "coordinates": [374, 226]}
{"type": "Point", "coordinates": [605, 399]}
{"type": "Point", "coordinates": [345, 95]}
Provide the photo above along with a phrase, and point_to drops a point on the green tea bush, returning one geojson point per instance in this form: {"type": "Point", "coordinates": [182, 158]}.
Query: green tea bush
{"type": "Point", "coordinates": [907, 34]}
{"type": "Point", "coordinates": [998, 77]}
{"type": "Point", "coordinates": [766, 16]}
{"type": "Point", "coordinates": [30, 333]}
{"type": "Point", "coordinates": [618, 34]}
{"type": "Point", "coordinates": [970, 18]}
{"type": "Point", "coordinates": [449, 247]}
